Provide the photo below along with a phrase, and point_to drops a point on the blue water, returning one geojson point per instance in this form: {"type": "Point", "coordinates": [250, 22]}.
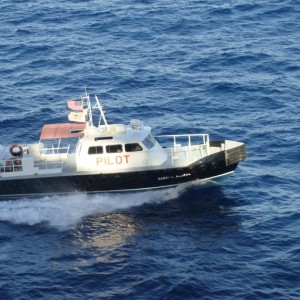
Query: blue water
{"type": "Point", "coordinates": [227, 68]}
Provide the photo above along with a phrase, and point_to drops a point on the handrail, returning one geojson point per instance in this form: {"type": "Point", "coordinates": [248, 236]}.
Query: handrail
{"type": "Point", "coordinates": [49, 164]}
{"type": "Point", "coordinates": [10, 165]}
{"type": "Point", "coordinates": [55, 150]}
{"type": "Point", "coordinates": [188, 146]}
{"type": "Point", "coordinates": [204, 136]}
{"type": "Point", "coordinates": [15, 165]}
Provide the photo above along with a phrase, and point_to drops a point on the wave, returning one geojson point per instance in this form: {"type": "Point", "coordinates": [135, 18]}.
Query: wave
{"type": "Point", "coordinates": [66, 212]}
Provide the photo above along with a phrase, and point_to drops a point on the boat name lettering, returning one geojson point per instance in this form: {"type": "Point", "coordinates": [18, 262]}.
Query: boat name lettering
{"type": "Point", "coordinates": [114, 160]}
{"type": "Point", "coordinates": [176, 176]}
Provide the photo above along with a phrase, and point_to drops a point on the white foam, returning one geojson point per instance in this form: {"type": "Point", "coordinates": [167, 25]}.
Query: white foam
{"type": "Point", "coordinates": [66, 212]}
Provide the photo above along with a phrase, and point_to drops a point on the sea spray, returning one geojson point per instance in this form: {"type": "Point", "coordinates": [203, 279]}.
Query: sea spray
{"type": "Point", "coordinates": [66, 212]}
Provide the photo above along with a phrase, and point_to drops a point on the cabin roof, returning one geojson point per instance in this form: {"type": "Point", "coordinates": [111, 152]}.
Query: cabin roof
{"type": "Point", "coordinates": [62, 131]}
{"type": "Point", "coordinates": [94, 134]}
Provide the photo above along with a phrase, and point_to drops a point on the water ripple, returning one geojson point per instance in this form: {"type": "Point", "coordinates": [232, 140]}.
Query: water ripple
{"type": "Point", "coordinates": [230, 69]}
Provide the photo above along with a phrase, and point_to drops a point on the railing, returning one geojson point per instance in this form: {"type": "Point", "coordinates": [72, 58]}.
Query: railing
{"type": "Point", "coordinates": [50, 159]}
{"type": "Point", "coordinates": [10, 165]}
{"type": "Point", "coordinates": [16, 165]}
{"type": "Point", "coordinates": [54, 152]}
{"type": "Point", "coordinates": [185, 143]}
{"type": "Point", "coordinates": [49, 165]}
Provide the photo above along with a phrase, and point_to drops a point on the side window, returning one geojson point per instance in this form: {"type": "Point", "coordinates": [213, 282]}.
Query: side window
{"type": "Point", "coordinates": [133, 147]}
{"type": "Point", "coordinates": [95, 150]}
{"type": "Point", "coordinates": [149, 142]}
{"type": "Point", "coordinates": [114, 149]}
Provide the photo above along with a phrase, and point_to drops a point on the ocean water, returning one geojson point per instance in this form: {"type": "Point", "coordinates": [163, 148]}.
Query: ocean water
{"type": "Point", "coordinates": [227, 68]}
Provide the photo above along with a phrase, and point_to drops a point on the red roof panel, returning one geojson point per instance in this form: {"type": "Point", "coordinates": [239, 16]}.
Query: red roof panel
{"type": "Point", "coordinates": [62, 131]}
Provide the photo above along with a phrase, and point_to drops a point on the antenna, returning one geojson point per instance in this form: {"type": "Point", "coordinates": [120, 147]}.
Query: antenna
{"type": "Point", "coordinates": [102, 112]}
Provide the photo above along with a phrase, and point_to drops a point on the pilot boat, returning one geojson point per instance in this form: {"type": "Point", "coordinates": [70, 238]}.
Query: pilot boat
{"type": "Point", "coordinates": [93, 157]}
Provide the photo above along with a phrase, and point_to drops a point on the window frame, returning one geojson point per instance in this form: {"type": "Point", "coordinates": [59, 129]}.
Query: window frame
{"type": "Point", "coordinates": [96, 148]}
{"type": "Point", "coordinates": [149, 142]}
{"type": "Point", "coordinates": [133, 145]}
{"type": "Point", "coordinates": [109, 148]}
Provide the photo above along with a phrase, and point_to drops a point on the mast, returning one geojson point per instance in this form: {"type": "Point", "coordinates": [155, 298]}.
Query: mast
{"type": "Point", "coordinates": [102, 112]}
{"type": "Point", "coordinates": [88, 110]}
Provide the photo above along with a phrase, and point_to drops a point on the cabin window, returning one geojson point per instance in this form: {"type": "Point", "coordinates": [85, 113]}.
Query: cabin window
{"type": "Point", "coordinates": [149, 142]}
{"type": "Point", "coordinates": [133, 147]}
{"type": "Point", "coordinates": [95, 150]}
{"type": "Point", "coordinates": [114, 149]}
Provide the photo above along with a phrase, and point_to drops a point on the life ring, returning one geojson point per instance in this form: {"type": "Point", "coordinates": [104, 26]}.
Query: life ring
{"type": "Point", "coordinates": [16, 150]}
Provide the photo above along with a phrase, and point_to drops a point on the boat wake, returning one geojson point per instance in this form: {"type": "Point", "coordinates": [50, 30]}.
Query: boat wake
{"type": "Point", "coordinates": [66, 212]}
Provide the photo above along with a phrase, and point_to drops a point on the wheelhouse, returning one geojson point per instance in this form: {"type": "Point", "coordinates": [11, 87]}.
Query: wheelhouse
{"type": "Point", "coordinates": [105, 149]}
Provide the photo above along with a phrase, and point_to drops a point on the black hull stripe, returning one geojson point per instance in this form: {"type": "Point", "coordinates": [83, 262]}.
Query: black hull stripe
{"type": "Point", "coordinates": [200, 182]}
{"type": "Point", "coordinates": [131, 181]}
